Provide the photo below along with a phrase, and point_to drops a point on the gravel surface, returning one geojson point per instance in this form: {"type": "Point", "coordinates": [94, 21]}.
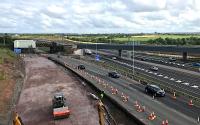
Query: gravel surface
{"type": "Point", "coordinates": [43, 79]}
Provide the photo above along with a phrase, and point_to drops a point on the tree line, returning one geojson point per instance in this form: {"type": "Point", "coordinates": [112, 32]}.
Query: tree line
{"type": "Point", "coordinates": [157, 41]}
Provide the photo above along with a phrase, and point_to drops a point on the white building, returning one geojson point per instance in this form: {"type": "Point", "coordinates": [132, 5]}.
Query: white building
{"type": "Point", "coordinates": [24, 44]}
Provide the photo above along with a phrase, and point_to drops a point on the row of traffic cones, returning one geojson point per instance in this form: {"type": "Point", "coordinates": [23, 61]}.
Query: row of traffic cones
{"type": "Point", "coordinates": [152, 116]}
{"type": "Point", "coordinates": [124, 97]}
{"type": "Point", "coordinates": [165, 122]}
{"type": "Point", "coordinates": [190, 103]}
{"type": "Point", "coordinates": [114, 90]}
{"type": "Point", "coordinates": [139, 108]}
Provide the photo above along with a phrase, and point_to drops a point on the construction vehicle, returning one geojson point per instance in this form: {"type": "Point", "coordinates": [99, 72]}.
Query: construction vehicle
{"type": "Point", "coordinates": [17, 119]}
{"type": "Point", "coordinates": [60, 107]}
{"type": "Point", "coordinates": [105, 118]}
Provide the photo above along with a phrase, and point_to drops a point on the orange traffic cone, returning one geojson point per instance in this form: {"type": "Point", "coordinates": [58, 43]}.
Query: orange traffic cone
{"type": "Point", "coordinates": [174, 95]}
{"type": "Point", "coordinates": [152, 116]}
{"type": "Point", "coordinates": [166, 122]}
{"type": "Point", "coordinates": [190, 103]}
{"type": "Point", "coordinates": [136, 103]}
{"type": "Point", "coordinates": [163, 123]}
{"type": "Point", "coordinates": [112, 89]}
{"type": "Point", "coordinates": [143, 108]}
{"type": "Point", "coordinates": [116, 91]}
{"type": "Point", "coordinates": [122, 95]}
{"type": "Point", "coordinates": [139, 109]}
{"type": "Point", "coordinates": [125, 98]}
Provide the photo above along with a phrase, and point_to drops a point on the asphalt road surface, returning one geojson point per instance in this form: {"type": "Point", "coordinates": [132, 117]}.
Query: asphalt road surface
{"type": "Point", "coordinates": [183, 80]}
{"type": "Point", "coordinates": [177, 112]}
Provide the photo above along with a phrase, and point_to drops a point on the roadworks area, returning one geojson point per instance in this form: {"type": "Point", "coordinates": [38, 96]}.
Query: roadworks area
{"type": "Point", "coordinates": [43, 79]}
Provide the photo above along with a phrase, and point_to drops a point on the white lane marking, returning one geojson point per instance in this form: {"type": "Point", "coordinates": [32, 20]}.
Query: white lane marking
{"type": "Point", "coordinates": [195, 86]}
{"type": "Point", "coordinates": [172, 79]}
{"type": "Point", "coordinates": [166, 77]}
{"type": "Point", "coordinates": [178, 81]}
{"type": "Point", "coordinates": [186, 83]}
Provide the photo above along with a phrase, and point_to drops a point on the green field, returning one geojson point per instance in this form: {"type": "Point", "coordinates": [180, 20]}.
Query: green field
{"type": "Point", "coordinates": [136, 37]}
{"type": "Point", "coordinates": [166, 39]}
{"type": "Point", "coordinates": [154, 39]}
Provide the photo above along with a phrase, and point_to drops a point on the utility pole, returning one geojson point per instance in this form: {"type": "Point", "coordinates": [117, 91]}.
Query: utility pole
{"type": "Point", "coordinates": [4, 41]}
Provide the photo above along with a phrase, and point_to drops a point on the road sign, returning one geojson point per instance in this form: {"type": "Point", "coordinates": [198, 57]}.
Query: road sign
{"type": "Point", "coordinates": [97, 57]}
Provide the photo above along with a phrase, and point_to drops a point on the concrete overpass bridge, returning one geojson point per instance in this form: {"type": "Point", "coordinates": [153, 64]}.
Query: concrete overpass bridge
{"type": "Point", "coordinates": [156, 48]}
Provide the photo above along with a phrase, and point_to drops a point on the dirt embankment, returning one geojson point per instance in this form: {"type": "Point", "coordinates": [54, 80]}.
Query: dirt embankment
{"type": "Point", "coordinates": [10, 76]}
{"type": "Point", "coordinates": [43, 80]}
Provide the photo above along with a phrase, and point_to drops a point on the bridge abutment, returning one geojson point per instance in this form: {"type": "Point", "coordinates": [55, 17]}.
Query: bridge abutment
{"type": "Point", "coordinates": [120, 53]}
{"type": "Point", "coordinates": [184, 56]}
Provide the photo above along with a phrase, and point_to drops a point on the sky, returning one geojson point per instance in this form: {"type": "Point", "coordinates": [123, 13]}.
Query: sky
{"type": "Point", "coordinates": [99, 16]}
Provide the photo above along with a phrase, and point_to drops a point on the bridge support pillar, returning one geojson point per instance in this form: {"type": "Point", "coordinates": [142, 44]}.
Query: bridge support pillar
{"type": "Point", "coordinates": [184, 56]}
{"type": "Point", "coordinates": [120, 53]}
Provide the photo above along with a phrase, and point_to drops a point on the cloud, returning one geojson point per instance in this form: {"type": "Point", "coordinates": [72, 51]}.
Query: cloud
{"type": "Point", "coordinates": [99, 16]}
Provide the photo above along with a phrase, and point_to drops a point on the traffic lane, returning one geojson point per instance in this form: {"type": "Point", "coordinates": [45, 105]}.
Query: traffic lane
{"type": "Point", "coordinates": [178, 79]}
{"type": "Point", "coordinates": [177, 74]}
{"type": "Point", "coordinates": [192, 73]}
{"type": "Point", "coordinates": [167, 78]}
{"type": "Point", "coordinates": [193, 91]}
{"type": "Point", "coordinates": [122, 83]}
{"type": "Point", "coordinates": [180, 104]}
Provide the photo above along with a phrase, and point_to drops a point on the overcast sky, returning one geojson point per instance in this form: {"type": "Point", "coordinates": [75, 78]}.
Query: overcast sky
{"type": "Point", "coordinates": [99, 16]}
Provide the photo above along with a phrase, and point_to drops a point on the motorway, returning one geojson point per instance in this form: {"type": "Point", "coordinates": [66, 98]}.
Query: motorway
{"type": "Point", "coordinates": [177, 112]}
{"type": "Point", "coordinates": [158, 60]}
{"type": "Point", "coordinates": [180, 79]}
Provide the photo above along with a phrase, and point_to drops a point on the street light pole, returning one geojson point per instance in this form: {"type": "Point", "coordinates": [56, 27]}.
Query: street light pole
{"type": "Point", "coordinates": [4, 41]}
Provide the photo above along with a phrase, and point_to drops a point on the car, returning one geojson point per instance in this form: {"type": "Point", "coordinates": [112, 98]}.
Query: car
{"type": "Point", "coordinates": [172, 59]}
{"type": "Point", "coordinates": [114, 58]}
{"type": "Point", "coordinates": [154, 90]}
{"type": "Point", "coordinates": [154, 68]}
{"type": "Point", "coordinates": [196, 64]}
{"type": "Point", "coordinates": [143, 59]}
{"type": "Point", "coordinates": [81, 67]}
{"type": "Point", "coordinates": [113, 74]}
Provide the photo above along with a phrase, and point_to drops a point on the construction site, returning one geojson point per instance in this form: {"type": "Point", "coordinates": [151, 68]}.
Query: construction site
{"type": "Point", "coordinates": [81, 88]}
{"type": "Point", "coordinates": [37, 82]}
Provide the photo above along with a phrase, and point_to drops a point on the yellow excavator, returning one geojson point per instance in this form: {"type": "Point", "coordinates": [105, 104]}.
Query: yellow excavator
{"type": "Point", "coordinates": [17, 120]}
{"type": "Point", "coordinates": [105, 117]}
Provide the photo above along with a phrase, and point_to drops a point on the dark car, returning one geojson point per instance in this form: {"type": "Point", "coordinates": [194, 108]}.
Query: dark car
{"type": "Point", "coordinates": [154, 90]}
{"type": "Point", "coordinates": [154, 68]}
{"type": "Point", "coordinates": [113, 74]}
{"type": "Point", "coordinates": [81, 67]}
{"type": "Point", "coordinates": [196, 64]}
